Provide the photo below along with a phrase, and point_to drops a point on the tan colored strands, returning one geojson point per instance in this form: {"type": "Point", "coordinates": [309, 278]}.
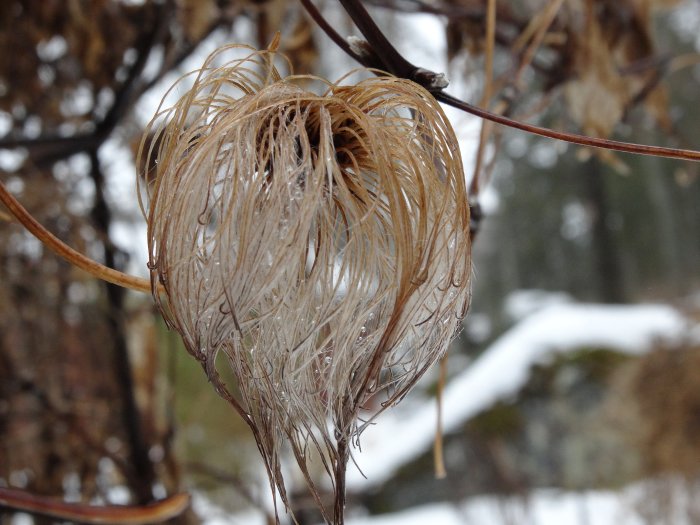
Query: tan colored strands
{"type": "Point", "coordinates": [319, 242]}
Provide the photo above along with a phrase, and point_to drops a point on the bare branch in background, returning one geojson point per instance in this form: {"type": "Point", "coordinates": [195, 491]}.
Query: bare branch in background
{"type": "Point", "coordinates": [157, 512]}
{"type": "Point", "coordinates": [397, 65]}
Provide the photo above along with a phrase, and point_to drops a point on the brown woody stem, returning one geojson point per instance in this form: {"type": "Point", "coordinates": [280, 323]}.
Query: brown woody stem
{"type": "Point", "coordinates": [340, 470]}
{"type": "Point", "coordinates": [582, 140]}
{"type": "Point", "coordinates": [397, 65]}
{"type": "Point", "coordinates": [317, 17]}
{"type": "Point", "coordinates": [438, 452]}
{"type": "Point", "coordinates": [114, 514]}
{"type": "Point", "coordinates": [66, 252]}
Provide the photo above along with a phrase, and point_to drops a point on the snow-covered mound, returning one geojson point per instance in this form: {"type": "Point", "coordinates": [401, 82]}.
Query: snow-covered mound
{"type": "Point", "coordinates": [406, 432]}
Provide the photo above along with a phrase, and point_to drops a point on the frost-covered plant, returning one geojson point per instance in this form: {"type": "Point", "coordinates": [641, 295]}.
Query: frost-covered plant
{"type": "Point", "coordinates": [317, 244]}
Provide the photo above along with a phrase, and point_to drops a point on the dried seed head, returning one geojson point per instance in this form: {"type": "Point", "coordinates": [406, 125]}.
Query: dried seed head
{"type": "Point", "coordinates": [319, 242]}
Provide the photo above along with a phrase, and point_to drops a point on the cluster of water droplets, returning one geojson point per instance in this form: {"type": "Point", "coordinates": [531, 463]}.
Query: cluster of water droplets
{"type": "Point", "coordinates": [318, 246]}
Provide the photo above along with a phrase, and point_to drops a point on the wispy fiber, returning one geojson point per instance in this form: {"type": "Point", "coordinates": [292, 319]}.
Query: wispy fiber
{"type": "Point", "coordinates": [317, 244]}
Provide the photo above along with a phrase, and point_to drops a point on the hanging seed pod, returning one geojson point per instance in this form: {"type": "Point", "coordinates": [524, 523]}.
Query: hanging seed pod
{"type": "Point", "coordinates": [316, 245]}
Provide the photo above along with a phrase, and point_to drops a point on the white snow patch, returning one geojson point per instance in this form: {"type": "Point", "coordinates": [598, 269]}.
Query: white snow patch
{"type": "Point", "coordinates": [649, 501]}
{"type": "Point", "coordinates": [664, 500]}
{"type": "Point", "coordinates": [543, 507]}
{"type": "Point", "coordinates": [436, 514]}
{"type": "Point", "coordinates": [489, 199]}
{"type": "Point", "coordinates": [401, 435]}
{"type": "Point", "coordinates": [21, 518]}
{"type": "Point", "coordinates": [522, 303]}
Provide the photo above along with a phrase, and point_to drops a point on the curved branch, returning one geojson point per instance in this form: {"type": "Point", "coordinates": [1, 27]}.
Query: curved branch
{"type": "Point", "coordinates": [66, 252]}
{"type": "Point", "coordinates": [582, 140]}
{"type": "Point", "coordinates": [317, 17]}
{"type": "Point", "coordinates": [157, 512]}
{"type": "Point", "coordinates": [48, 149]}
{"type": "Point", "coordinates": [397, 65]}
{"type": "Point", "coordinates": [393, 61]}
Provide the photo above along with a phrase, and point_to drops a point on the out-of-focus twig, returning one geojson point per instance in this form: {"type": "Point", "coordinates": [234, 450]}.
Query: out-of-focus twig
{"type": "Point", "coordinates": [48, 149]}
{"type": "Point", "coordinates": [581, 140]}
{"type": "Point", "coordinates": [397, 65]}
{"type": "Point", "coordinates": [438, 452]}
{"type": "Point", "coordinates": [539, 28]}
{"type": "Point", "coordinates": [141, 484]}
{"type": "Point", "coordinates": [66, 252]}
{"type": "Point", "coordinates": [221, 476]}
{"type": "Point", "coordinates": [157, 512]}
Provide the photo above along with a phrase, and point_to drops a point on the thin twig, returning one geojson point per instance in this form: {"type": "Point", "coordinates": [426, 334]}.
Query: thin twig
{"type": "Point", "coordinates": [545, 21]}
{"type": "Point", "coordinates": [582, 140]}
{"type": "Point", "coordinates": [222, 476]}
{"type": "Point", "coordinates": [55, 148]}
{"type": "Point", "coordinates": [438, 451]}
{"type": "Point", "coordinates": [46, 149]}
{"type": "Point", "coordinates": [317, 17]}
{"type": "Point", "coordinates": [157, 512]}
{"type": "Point", "coordinates": [535, 32]}
{"type": "Point", "coordinates": [132, 425]}
{"type": "Point", "coordinates": [396, 65]}
{"type": "Point", "coordinates": [488, 58]}
{"type": "Point", "coordinates": [393, 60]}
{"type": "Point", "coordinates": [66, 252]}
{"type": "Point", "coordinates": [52, 148]}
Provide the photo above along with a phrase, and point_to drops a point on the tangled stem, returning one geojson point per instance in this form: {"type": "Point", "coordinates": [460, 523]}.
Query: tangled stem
{"type": "Point", "coordinates": [71, 255]}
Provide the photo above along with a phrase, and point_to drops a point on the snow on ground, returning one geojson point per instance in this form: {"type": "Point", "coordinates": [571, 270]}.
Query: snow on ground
{"type": "Point", "coordinates": [502, 370]}
{"type": "Point", "coordinates": [497, 374]}
{"type": "Point", "coordinates": [554, 325]}
{"type": "Point", "coordinates": [542, 507]}
{"type": "Point", "coordinates": [651, 501]}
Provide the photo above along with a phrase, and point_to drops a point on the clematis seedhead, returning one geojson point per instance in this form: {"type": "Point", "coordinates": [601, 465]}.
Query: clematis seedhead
{"type": "Point", "coordinates": [314, 243]}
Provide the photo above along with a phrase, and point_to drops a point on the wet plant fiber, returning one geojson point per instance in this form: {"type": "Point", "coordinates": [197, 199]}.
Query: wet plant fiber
{"type": "Point", "coordinates": [315, 245]}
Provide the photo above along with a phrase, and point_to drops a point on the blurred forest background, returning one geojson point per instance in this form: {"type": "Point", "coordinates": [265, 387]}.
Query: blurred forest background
{"type": "Point", "coordinates": [98, 402]}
